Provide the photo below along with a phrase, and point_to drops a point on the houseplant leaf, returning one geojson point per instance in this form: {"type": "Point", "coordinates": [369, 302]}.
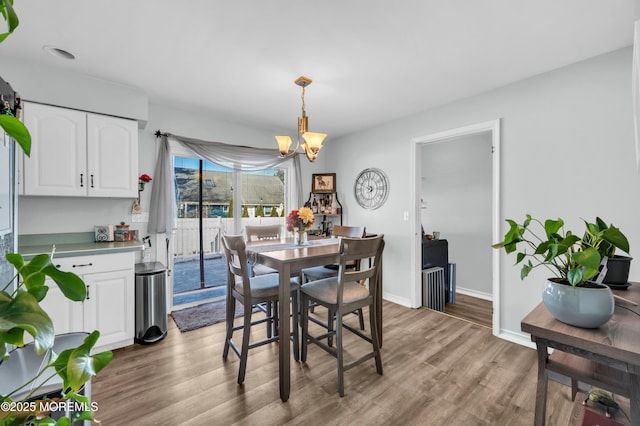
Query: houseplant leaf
{"type": "Point", "coordinates": [23, 312]}
{"type": "Point", "coordinates": [38, 268]}
{"type": "Point", "coordinates": [617, 238]}
{"type": "Point", "coordinates": [17, 130]}
{"type": "Point", "coordinates": [9, 15]}
{"type": "Point", "coordinates": [69, 283]}
{"type": "Point", "coordinates": [76, 366]}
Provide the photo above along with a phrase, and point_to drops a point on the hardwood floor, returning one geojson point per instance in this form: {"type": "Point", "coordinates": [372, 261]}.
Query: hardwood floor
{"type": "Point", "coordinates": [471, 309]}
{"type": "Point", "coordinates": [438, 370]}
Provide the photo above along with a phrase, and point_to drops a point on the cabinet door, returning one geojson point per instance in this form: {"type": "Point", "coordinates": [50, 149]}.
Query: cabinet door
{"type": "Point", "coordinates": [109, 307]}
{"type": "Point", "coordinates": [112, 156]}
{"type": "Point", "coordinates": [65, 314]}
{"type": "Point", "coordinates": [57, 165]}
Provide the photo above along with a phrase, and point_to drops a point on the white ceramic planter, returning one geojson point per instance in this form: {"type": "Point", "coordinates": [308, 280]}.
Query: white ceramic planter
{"type": "Point", "coordinates": [579, 306]}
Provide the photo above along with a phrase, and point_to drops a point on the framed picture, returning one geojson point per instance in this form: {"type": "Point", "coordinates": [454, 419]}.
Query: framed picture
{"type": "Point", "coordinates": [323, 183]}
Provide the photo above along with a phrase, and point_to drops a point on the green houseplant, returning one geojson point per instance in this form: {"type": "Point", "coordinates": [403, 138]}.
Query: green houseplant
{"type": "Point", "coordinates": [599, 235]}
{"type": "Point", "coordinates": [574, 260]}
{"type": "Point", "coordinates": [20, 311]}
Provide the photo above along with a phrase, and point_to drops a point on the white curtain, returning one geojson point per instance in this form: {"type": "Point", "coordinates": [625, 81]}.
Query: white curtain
{"type": "Point", "coordinates": [162, 213]}
{"type": "Point", "coordinates": [635, 90]}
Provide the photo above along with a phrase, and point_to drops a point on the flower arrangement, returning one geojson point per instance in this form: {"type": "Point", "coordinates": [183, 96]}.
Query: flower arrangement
{"type": "Point", "coordinates": [300, 220]}
{"type": "Point", "coordinates": [144, 178]}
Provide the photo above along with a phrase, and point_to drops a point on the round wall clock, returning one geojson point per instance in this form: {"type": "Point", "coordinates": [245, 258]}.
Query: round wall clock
{"type": "Point", "coordinates": [371, 188]}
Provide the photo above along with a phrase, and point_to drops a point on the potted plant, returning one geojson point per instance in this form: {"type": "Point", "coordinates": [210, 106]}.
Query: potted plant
{"type": "Point", "coordinates": [571, 296]}
{"type": "Point", "coordinates": [600, 236]}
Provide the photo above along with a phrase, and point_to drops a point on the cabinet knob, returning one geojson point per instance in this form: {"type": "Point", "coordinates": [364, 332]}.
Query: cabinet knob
{"type": "Point", "coordinates": [88, 292]}
{"type": "Point", "coordinates": [82, 265]}
{"type": "Point", "coordinates": [92, 181]}
{"type": "Point", "coordinates": [81, 180]}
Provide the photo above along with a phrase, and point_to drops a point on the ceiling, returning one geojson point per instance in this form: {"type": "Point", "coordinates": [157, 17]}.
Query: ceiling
{"type": "Point", "coordinates": [371, 61]}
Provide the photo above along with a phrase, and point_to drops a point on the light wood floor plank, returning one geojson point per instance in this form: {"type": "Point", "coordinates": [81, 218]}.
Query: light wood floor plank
{"type": "Point", "coordinates": [438, 370]}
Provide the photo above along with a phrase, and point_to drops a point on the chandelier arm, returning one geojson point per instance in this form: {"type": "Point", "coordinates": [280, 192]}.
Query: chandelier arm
{"type": "Point", "coordinates": [293, 152]}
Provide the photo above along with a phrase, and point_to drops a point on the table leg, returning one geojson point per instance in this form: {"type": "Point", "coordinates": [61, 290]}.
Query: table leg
{"type": "Point", "coordinates": [541, 390]}
{"type": "Point", "coordinates": [284, 355]}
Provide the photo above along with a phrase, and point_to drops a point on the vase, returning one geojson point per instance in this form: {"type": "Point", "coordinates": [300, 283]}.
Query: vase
{"type": "Point", "coordinates": [585, 307]}
{"type": "Point", "coordinates": [302, 237]}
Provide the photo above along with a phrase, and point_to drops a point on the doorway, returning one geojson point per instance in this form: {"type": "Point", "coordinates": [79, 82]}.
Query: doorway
{"type": "Point", "coordinates": [212, 201]}
{"type": "Point", "coordinates": [449, 147]}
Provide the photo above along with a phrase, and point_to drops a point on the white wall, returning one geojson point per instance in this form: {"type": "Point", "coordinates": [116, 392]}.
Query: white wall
{"type": "Point", "coordinates": [456, 201]}
{"type": "Point", "coordinates": [567, 150]}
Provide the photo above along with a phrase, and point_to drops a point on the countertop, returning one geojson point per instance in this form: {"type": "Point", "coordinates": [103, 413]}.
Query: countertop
{"type": "Point", "coordinates": [71, 244]}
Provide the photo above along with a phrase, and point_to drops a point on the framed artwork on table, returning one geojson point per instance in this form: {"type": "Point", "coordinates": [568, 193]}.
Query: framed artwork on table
{"type": "Point", "coordinates": [323, 183]}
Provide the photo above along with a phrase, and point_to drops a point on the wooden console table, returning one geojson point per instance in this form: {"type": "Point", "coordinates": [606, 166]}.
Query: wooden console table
{"type": "Point", "coordinates": [607, 357]}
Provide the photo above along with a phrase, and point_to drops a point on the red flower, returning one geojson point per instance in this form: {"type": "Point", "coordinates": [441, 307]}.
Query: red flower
{"type": "Point", "coordinates": [145, 178]}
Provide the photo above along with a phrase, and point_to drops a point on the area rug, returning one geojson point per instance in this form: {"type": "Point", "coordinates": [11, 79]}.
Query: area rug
{"type": "Point", "coordinates": [203, 315]}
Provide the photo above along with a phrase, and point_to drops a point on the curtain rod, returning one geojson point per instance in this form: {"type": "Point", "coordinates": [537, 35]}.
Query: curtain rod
{"type": "Point", "coordinates": [158, 133]}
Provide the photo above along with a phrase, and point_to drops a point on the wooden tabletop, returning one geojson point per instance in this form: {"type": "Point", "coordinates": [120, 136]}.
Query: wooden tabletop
{"type": "Point", "coordinates": [619, 338]}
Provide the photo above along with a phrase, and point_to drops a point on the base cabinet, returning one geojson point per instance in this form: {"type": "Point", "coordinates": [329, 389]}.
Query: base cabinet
{"type": "Point", "coordinates": [109, 306]}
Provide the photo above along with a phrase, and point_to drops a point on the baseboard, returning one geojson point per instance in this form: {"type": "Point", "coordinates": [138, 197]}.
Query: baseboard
{"type": "Point", "coordinates": [475, 293]}
{"type": "Point", "coordinates": [521, 339]}
{"type": "Point", "coordinates": [398, 300]}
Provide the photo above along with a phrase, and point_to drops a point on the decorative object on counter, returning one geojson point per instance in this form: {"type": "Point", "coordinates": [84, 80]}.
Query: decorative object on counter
{"type": "Point", "coordinates": [571, 296]}
{"type": "Point", "coordinates": [312, 141]}
{"type": "Point", "coordinates": [299, 222]}
{"type": "Point", "coordinates": [104, 233]}
{"type": "Point", "coordinates": [121, 233]}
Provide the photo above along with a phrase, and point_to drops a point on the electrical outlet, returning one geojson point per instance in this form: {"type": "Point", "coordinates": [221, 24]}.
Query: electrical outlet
{"type": "Point", "coordinates": [141, 217]}
{"type": "Point", "coordinates": [405, 216]}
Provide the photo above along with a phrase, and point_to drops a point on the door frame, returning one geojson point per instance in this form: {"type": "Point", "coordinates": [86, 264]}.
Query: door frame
{"type": "Point", "coordinates": [493, 128]}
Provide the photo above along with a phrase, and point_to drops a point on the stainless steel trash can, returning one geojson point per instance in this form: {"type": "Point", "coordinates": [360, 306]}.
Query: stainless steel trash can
{"type": "Point", "coordinates": [151, 302]}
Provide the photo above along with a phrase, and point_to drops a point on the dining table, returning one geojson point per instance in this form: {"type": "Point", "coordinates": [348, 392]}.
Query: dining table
{"type": "Point", "coordinates": [288, 257]}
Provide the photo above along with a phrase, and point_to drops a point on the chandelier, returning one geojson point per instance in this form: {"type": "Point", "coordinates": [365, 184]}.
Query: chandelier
{"type": "Point", "coordinates": [312, 141]}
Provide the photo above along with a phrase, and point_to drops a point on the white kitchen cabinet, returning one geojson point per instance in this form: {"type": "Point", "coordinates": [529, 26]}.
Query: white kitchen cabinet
{"type": "Point", "coordinates": [67, 315]}
{"type": "Point", "coordinates": [76, 153]}
{"type": "Point", "coordinates": [109, 306]}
